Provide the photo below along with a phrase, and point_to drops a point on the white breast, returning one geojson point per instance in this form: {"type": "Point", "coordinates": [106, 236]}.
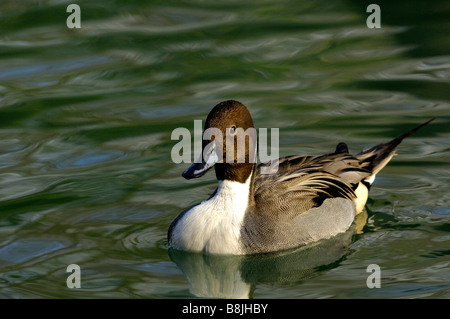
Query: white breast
{"type": "Point", "coordinates": [214, 226]}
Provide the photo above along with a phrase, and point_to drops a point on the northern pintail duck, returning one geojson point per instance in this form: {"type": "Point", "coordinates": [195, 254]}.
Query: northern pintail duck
{"type": "Point", "coordinates": [307, 199]}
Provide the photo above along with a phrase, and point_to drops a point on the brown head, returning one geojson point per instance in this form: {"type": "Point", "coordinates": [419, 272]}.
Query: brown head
{"type": "Point", "coordinates": [229, 143]}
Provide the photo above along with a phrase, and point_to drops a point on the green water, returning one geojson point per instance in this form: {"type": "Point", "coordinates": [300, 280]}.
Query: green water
{"type": "Point", "coordinates": [86, 117]}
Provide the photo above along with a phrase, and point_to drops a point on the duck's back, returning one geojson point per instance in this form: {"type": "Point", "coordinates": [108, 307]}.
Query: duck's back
{"type": "Point", "coordinates": [308, 199]}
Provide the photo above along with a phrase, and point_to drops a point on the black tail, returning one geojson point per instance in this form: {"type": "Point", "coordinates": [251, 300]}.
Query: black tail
{"type": "Point", "coordinates": [399, 139]}
{"type": "Point", "coordinates": [378, 156]}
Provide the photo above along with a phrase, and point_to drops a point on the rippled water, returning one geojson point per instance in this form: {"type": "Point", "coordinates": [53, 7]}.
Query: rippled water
{"type": "Point", "coordinates": [86, 117]}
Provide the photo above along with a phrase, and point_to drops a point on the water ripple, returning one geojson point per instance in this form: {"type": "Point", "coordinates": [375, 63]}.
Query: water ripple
{"type": "Point", "coordinates": [23, 250]}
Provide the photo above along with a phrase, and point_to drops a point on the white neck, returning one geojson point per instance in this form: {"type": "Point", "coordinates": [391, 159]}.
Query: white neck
{"type": "Point", "coordinates": [214, 226]}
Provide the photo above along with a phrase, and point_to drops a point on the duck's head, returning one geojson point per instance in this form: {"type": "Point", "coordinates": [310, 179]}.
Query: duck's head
{"type": "Point", "coordinates": [229, 144]}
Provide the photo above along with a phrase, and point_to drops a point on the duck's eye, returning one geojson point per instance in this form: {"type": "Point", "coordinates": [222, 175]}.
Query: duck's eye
{"type": "Point", "coordinates": [233, 129]}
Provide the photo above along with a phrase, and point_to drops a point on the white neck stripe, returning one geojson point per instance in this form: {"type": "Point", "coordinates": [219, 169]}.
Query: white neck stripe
{"type": "Point", "coordinates": [214, 226]}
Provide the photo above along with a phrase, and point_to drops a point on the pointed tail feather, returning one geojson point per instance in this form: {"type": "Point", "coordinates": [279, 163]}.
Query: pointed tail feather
{"type": "Point", "coordinates": [378, 156]}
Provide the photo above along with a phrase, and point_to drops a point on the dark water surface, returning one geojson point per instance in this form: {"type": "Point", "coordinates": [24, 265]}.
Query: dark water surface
{"type": "Point", "coordinates": [86, 117]}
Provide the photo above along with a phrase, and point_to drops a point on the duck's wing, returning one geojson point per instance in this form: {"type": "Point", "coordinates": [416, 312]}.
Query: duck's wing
{"type": "Point", "coordinates": [309, 180]}
{"type": "Point", "coordinates": [305, 201]}
{"type": "Point", "coordinates": [304, 182]}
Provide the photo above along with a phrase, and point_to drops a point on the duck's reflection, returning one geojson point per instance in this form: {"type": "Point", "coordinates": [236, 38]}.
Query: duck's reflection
{"type": "Point", "coordinates": [237, 276]}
